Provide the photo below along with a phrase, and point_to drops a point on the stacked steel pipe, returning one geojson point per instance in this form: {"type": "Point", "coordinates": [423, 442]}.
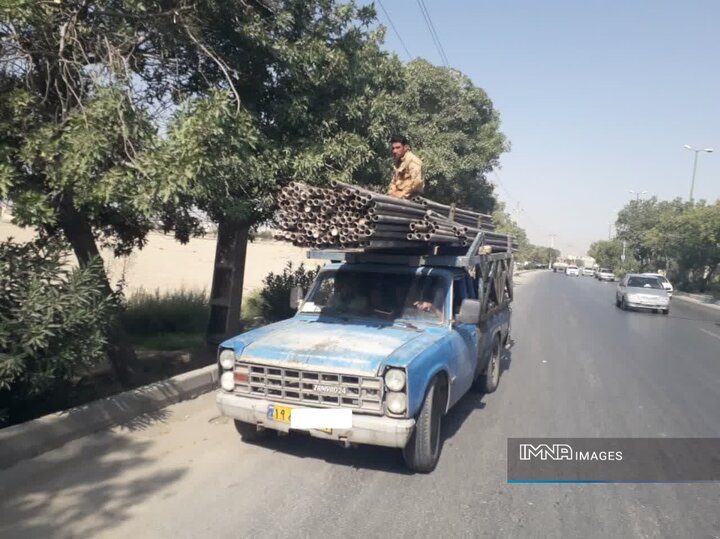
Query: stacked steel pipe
{"type": "Point", "coordinates": [348, 216]}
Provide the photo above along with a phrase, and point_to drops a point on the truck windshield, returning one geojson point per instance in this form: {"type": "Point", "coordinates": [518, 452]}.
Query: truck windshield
{"type": "Point", "coordinates": [384, 296]}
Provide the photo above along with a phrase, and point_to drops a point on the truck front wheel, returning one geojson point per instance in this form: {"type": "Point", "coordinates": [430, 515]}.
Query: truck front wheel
{"type": "Point", "coordinates": [249, 432]}
{"type": "Point", "coordinates": [422, 451]}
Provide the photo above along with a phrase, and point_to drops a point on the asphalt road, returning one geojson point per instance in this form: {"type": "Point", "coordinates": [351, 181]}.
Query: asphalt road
{"type": "Point", "coordinates": [578, 367]}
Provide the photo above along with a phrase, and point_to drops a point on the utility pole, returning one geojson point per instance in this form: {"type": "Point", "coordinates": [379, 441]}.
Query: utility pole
{"type": "Point", "coordinates": [637, 194]}
{"type": "Point", "coordinates": [609, 231]}
{"type": "Point", "coordinates": [692, 182]}
{"type": "Point", "coordinates": [552, 246]}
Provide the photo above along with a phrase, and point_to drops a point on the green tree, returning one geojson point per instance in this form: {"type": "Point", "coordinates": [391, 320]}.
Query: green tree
{"type": "Point", "coordinates": [258, 93]}
{"type": "Point", "coordinates": [504, 224]}
{"type": "Point", "coordinates": [52, 321]}
{"type": "Point", "coordinates": [692, 240]}
{"type": "Point", "coordinates": [71, 125]}
{"type": "Point", "coordinates": [607, 253]}
{"type": "Point", "coordinates": [454, 128]}
{"type": "Point", "coordinates": [635, 224]}
{"type": "Point", "coordinates": [305, 77]}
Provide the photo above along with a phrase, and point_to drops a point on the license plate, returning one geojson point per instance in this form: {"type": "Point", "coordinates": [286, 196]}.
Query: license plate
{"type": "Point", "coordinates": [279, 413]}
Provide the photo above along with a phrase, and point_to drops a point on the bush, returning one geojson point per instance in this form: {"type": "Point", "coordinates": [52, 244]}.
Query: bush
{"type": "Point", "coordinates": [150, 314]}
{"type": "Point", "coordinates": [53, 320]}
{"type": "Point", "coordinates": [274, 300]}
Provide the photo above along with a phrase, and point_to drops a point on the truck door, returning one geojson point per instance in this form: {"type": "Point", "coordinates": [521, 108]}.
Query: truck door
{"type": "Point", "coordinates": [464, 339]}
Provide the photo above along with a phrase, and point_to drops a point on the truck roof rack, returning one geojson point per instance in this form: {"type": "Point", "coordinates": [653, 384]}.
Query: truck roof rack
{"type": "Point", "coordinates": [479, 252]}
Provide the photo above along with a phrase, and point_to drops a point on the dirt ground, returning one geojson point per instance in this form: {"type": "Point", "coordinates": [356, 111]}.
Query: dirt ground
{"type": "Point", "coordinates": [167, 265]}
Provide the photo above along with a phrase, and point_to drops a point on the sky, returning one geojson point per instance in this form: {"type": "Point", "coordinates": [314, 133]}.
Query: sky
{"type": "Point", "coordinates": [596, 98]}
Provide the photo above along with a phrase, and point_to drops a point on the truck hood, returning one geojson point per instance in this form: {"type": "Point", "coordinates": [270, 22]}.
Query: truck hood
{"type": "Point", "coordinates": [351, 346]}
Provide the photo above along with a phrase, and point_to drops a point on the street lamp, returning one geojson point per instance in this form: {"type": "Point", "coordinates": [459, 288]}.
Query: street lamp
{"type": "Point", "coordinates": [697, 151]}
{"type": "Point", "coordinates": [637, 194]}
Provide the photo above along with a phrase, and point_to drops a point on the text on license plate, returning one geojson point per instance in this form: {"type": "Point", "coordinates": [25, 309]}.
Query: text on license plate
{"type": "Point", "coordinates": [282, 414]}
{"type": "Point", "coordinates": [279, 413]}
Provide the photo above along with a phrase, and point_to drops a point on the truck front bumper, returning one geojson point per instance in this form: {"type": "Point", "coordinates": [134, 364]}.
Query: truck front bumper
{"type": "Point", "coordinates": [366, 429]}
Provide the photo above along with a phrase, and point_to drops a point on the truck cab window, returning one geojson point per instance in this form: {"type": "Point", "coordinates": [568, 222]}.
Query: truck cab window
{"type": "Point", "coordinates": [460, 292]}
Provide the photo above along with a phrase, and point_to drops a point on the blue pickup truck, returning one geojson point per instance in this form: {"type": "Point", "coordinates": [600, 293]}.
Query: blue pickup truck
{"type": "Point", "coordinates": [393, 341]}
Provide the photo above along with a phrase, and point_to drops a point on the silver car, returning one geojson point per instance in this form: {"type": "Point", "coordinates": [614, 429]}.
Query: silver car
{"type": "Point", "coordinates": [606, 275]}
{"type": "Point", "coordinates": [637, 291]}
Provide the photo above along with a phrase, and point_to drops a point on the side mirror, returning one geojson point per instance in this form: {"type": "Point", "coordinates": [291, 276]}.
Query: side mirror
{"type": "Point", "coordinates": [469, 312]}
{"type": "Point", "coordinates": [297, 295]}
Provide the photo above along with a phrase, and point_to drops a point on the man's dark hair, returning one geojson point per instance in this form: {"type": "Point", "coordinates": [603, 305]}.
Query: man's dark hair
{"type": "Point", "coordinates": [401, 139]}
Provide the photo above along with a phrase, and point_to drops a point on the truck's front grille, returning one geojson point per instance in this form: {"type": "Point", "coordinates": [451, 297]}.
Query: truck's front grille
{"type": "Point", "coordinates": [310, 387]}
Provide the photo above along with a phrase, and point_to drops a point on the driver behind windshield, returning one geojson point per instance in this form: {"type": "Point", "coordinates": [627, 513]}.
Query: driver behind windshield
{"type": "Point", "coordinates": [432, 300]}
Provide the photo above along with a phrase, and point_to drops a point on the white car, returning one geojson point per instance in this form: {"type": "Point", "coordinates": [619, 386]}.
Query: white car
{"type": "Point", "coordinates": [667, 285]}
{"type": "Point", "coordinates": [642, 292]}
{"type": "Point", "coordinates": [606, 275]}
{"type": "Point", "coordinates": [588, 272]}
{"type": "Point", "coordinates": [572, 270]}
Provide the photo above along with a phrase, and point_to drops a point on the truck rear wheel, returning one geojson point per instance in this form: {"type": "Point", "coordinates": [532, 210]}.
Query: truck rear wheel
{"type": "Point", "coordinates": [490, 379]}
{"type": "Point", "coordinates": [250, 433]}
{"type": "Point", "coordinates": [422, 451]}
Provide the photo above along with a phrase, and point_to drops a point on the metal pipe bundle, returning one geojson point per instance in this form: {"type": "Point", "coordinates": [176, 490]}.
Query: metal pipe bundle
{"type": "Point", "coordinates": [347, 216]}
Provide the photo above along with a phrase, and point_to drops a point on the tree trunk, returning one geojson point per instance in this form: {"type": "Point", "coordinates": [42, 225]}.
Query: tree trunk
{"type": "Point", "coordinates": [226, 292]}
{"type": "Point", "coordinates": [707, 277]}
{"type": "Point", "coordinates": [78, 232]}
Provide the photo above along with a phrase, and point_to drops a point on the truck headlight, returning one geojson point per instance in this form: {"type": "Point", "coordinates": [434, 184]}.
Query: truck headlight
{"type": "Point", "coordinates": [227, 381]}
{"type": "Point", "coordinates": [395, 379]}
{"type": "Point", "coordinates": [227, 359]}
{"type": "Point", "coordinates": [396, 402]}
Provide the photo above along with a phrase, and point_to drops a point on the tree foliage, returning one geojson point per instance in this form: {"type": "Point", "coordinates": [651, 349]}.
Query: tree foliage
{"type": "Point", "coordinates": [679, 237]}
{"type": "Point", "coordinates": [273, 302]}
{"type": "Point", "coordinates": [635, 224]}
{"type": "Point", "coordinates": [454, 128]}
{"type": "Point", "coordinates": [52, 320]}
{"type": "Point", "coordinates": [607, 253]}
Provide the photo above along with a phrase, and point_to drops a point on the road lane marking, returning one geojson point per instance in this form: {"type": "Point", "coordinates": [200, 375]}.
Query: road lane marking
{"type": "Point", "coordinates": [710, 333]}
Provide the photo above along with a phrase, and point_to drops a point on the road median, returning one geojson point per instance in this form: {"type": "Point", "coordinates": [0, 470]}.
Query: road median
{"type": "Point", "coordinates": [38, 436]}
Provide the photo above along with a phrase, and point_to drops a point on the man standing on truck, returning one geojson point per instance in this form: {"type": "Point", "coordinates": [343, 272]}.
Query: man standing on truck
{"type": "Point", "coordinates": [407, 178]}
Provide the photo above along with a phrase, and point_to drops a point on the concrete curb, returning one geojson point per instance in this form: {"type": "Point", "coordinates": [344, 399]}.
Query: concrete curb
{"type": "Point", "coordinates": [697, 300]}
{"type": "Point", "coordinates": [35, 437]}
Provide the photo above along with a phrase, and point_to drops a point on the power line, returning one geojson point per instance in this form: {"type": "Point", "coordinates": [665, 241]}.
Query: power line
{"type": "Point", "coordinates": [501, 184]}
{"type": "Point", "coordinates": [392, 25]}
{"type": "Point", "coordinates": [437, 36]}
{"type": "Point", "coordinates": [433, 33]}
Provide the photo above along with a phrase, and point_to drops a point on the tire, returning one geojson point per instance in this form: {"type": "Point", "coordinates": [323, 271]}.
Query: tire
{"type": "Point", "coordinates": [488, 381]}
{"type": "Point", "coordinates": [666, 312]}
{"type": "Point", "coordinates": [250, 433]}
{"type": "Point", "coordinates": [422, 451]}
{"type": "Point", "coordinates": [623, 304]}
{"type": "Point", "coordinates": [617, 302]}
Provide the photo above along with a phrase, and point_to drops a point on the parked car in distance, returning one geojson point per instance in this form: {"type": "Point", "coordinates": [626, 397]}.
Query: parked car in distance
{"type": "Point", "coordinates": [606, 275]}
{"type": "Point", "coordinates": [588, 272]}
{"type": "Point", "coordinates": [636, 291]}
{"type": "Point", "coordinates": [572, 270]}
{"type": "Point", "coordinates": [667, 285]}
